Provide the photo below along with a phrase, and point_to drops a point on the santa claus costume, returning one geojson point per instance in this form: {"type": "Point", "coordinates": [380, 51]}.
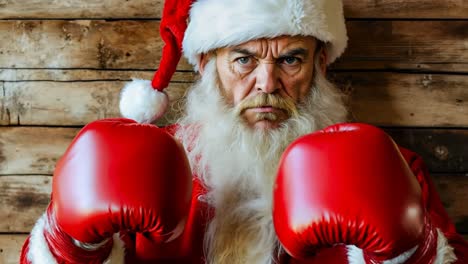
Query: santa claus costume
{"type": "Point", "coordinates": [234, 211]}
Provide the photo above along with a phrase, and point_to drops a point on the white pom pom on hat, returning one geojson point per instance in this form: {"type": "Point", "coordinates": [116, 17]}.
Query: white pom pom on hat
{"type": "Point", "coordinates": [145, 101]}
{"type": "Point", "coordinates": [141, 102]}
{"type": "Point", "coordinates": [222, 23]}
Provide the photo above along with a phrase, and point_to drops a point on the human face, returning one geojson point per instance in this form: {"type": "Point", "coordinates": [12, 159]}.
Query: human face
{"type": "Point", "coordinates": [282, 67]}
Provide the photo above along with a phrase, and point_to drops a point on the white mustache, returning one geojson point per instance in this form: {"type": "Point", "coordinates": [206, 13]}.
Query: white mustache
{"type": "Point", "coordinates": [270, 100]}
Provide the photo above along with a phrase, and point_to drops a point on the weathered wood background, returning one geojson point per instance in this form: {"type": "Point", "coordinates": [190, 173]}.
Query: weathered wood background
{"type": "Point", "coordinates": [62, 64]}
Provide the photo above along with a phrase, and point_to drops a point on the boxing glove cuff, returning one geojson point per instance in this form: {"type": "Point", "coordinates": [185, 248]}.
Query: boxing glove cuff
{"type": "Point", "coordinates": [433, 248]}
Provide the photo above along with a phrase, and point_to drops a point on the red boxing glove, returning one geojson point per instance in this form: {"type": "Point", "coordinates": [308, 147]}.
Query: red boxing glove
{"type": "Point", "coordinates": [117, 175]}
{"type": "Point", "coordinates": [348, 184]}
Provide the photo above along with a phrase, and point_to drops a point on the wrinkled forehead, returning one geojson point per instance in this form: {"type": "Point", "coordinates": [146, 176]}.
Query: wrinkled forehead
{"type": "Point", "coordinates": [277, 43]}
{"type": "Point", "coordinates": [272, 46]}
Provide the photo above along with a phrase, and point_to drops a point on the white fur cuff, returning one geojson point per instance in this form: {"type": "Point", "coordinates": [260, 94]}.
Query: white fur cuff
{"type": "Point", "coordinates": [39, 252]}
{"type": "Point", "coordinates": [445, 254]}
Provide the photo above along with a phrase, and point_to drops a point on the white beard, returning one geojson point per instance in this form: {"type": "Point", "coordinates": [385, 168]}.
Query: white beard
{"type": "Point", "coordinates": [238, 165]}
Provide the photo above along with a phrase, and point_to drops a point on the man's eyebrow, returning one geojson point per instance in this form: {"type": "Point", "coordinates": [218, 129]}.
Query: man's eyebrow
{"type": "Point", "coordinates": [295, 52]}
{"type": "Point", "coordinates": [243, 51]}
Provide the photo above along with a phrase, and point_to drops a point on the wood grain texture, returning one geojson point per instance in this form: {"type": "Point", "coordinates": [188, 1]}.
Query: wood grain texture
{"type": "Point", "coordinates": [59, 75]}
{"type": "Point", "coordinates": [65, 103]}
{"type": "Point", "coordinates": [40, 102]}
{"type": "Point", "coordinates": [32, 150]}
{"type": "Point", "coordinates": [10, 248]}
{"type": "Point", "coordinates": [411, 45]}
{"type": "Point", "coordinates": [447, 9]}
{"type": "Point", "coordinates": [400, 99]}
{"type": "Point", "coordinates": [81, 9]}
{"type": "Point", "coordinates": [454, 196]}
{"type": "Point", "coordinates": [23, 200]}
{"type": "Point", "coordinates": [444, 150]}
{"type": "Point", "coordinates": [94, 44]}
{"type": "Point", "coordinates": [97, 44]}
{"type": "Point", "coordinates": [428, 9]}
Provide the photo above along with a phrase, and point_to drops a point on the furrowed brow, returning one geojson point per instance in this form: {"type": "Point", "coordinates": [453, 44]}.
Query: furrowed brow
{"type": "Point", "coordinates": [295, 52]}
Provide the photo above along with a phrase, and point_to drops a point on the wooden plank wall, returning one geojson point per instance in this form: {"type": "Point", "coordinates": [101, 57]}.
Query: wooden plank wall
{"type": "Point", "coordinates": [62, 64]}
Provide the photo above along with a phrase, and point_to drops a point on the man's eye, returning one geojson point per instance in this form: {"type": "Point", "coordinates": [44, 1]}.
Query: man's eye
{"type": "Point", "coordinates": [244, 60]}
{"type": "Point", "coordinates": [290, 60]}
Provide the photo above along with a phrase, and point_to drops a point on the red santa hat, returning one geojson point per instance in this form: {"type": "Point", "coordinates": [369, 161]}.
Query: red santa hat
{"type": "Point", "coordinates": [221, 23]}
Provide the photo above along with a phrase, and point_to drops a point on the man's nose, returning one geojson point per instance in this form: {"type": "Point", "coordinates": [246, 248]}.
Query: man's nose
{"type": "Point", "coordinates": [267, 79]}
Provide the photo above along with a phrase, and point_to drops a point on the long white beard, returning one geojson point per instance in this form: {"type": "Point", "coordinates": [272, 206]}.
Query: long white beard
{"type": "Point", "coordinates": [238, 165]}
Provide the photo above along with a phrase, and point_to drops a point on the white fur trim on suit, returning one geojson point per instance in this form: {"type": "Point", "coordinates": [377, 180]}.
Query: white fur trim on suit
{"type": "Point", "coordinates": [355, 255]}
{"type": "Point", "coordinates": [220, 23]}
{"type": "Point", "coordinates": [445, 253]}
{"type": "Point", "coordinates": [39, 252]}
{"type": "Point", "coordinates": [140, 102]}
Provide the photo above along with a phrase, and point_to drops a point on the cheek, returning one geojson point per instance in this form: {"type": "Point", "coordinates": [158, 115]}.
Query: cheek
{"type": "Point", "coordinates": [297, 88]}
{"type": "Point", "coordinates": [241, 89]}
{"type": "Point", "coordinates": [298, 84]}
{"type": "Point", "coordinates": [225, 83]}
{"type": "Point", "coordinates": [234, 86]}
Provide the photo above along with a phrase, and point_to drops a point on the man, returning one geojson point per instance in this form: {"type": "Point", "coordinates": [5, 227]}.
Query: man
{"type": "Point", "coordinates": [262, 86]}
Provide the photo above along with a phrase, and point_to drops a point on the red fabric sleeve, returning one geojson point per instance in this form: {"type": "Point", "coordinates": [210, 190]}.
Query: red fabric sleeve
{"type": "Point", "coordinates": [436, 210]}
{"type": "Point", "coordinates": [24, 252]}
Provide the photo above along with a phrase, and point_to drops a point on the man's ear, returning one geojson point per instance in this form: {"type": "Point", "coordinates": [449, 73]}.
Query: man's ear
{"type": "Point", "coordinates": [203, 61]}
{"type": "Point", "coordinates": [323, 60]}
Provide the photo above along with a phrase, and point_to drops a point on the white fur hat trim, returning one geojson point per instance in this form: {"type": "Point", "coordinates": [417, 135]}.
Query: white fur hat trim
{"type": "Point", "coordinates": [221, 23]}
{"type": "Point", "coordinates": [141, 102]}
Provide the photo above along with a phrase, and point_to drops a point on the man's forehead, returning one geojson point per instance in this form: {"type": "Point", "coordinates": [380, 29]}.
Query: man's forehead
{"type": "Point", "coordinates": [282, 43]}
